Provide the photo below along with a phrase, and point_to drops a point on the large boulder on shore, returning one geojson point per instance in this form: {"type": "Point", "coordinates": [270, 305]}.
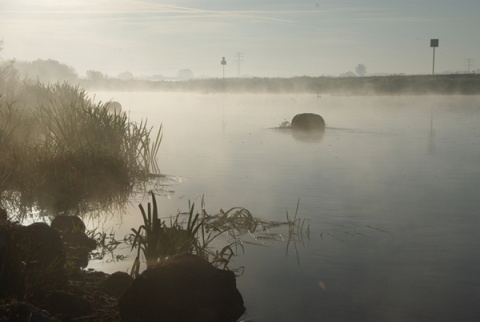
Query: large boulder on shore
{"type": "Point", "coordinates": [73, 231]}
{"type": "Point", "coordinates": [24, 311]}
{"type": "Point", "coordinates": [77, 244]}
{"type": "Point", "coordinates": [308, 122]}
{"type": "Point", "coordinates": [117, 283]}
{"type": "Point", "coordinates": [68, 305]}
{"type": "Point", "coordinates": [185, 288]}
{"type": "Point", "coordinates": [41, 249]}
{"type": "Point", "coordinates": [31, 258]}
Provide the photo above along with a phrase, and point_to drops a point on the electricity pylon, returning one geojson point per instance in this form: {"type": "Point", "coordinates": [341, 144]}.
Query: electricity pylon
{"type": "Point", "coordinates": [239, 59]}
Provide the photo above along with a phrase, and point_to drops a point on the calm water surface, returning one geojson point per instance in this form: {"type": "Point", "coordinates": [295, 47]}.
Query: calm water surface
{"type": "Point", "coordinates": [391, 192]}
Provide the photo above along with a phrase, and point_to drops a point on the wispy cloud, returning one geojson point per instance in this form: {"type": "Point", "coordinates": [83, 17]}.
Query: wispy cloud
{"type": "Point", "coordinates": [194, 30]}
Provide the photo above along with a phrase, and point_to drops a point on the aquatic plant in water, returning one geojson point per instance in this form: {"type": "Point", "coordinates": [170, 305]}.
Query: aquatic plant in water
{"type": "Point", "coordinates": [159, 241]}
{"type": "Point", "coordinates": [156, 240]}
{"type": "Point", "coordinates": [285, 125]}
{"type": "Point", "coordinates": [106, 245]}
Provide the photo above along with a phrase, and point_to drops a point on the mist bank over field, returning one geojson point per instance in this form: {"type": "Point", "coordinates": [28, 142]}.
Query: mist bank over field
{"type": "Point", "coordinates": [51, 71]}
{"type": "Point", "coordinates": [463, 84]}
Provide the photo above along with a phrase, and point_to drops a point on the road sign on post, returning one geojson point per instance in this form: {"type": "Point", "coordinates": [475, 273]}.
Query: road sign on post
{"type": "Point", "coordinates": [433, 44]}
{"type": "Point", "coordinates": [223, 62]}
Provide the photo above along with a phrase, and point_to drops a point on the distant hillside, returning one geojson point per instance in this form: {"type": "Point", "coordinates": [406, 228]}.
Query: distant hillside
{"type": "Point", "coordinates": [465, 84]}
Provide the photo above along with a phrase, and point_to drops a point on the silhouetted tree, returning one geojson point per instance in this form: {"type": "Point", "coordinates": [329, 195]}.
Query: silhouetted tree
{"type": "Point", "coordinates": [185, 74]}
{"type": "Point", "coordinates": [126, 76]}
{"type": "Point", "coordinates": [95, 75]}
{"type": "Point", "coordinates": [361, 70]}
{"type": "Point", "coordinates": [46, 71]}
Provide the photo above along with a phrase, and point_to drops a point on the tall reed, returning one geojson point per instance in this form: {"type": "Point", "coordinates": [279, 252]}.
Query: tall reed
{"type": "Point", "coordinates": [63, 152]}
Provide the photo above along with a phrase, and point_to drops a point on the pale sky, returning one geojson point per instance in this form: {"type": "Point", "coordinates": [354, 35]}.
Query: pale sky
{"type": "Point", "coordinates": [277, 37]}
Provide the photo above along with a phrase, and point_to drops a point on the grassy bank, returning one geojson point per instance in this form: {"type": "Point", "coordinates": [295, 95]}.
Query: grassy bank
{"type": "Point", "coordinates": [464, 84]}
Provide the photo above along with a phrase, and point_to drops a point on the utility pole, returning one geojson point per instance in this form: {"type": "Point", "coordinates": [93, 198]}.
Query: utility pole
{"type": "Point", "coordinates": [469, 64]}
{"type": "Point", "coordinates": [433, 44]}
{"type": "Point", "coordinates": [239, 60]}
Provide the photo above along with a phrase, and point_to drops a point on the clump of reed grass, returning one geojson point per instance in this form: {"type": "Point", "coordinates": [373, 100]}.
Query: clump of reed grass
{"type": "Point", "coordinates": [62, 152]}
{"type": "Point", "coordinates": [284, 125]}
{"type": "Point", "coordinates": [158, 239]}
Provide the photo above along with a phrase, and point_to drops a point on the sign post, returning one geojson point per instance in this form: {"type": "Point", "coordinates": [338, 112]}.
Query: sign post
{"type": "Point", "coordinates": [433, 44]}
{"type": "Point", "coordinates": [223, 62]}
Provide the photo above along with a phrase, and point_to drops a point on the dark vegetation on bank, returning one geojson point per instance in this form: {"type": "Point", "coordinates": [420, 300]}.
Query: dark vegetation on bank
{"type": "Point", "coordinates": [61, 154]}
{"type": "Point", "coordinates": [461, 84]}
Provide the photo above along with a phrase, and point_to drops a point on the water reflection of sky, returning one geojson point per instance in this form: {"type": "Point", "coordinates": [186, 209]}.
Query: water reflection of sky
{"type": "Point", "coordinates": [391, 192]}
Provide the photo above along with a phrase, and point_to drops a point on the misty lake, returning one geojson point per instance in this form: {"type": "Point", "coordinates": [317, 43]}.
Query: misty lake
{"type": "Point", "coordinates": [391, 194]}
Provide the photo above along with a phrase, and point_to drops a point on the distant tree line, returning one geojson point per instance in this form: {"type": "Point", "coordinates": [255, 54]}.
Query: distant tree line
{"type": "Point", "coordinates": [51, 71]}
{"type": "Point", "coordinates": [372, 85]}
{"type": "Point", "coordinates": [46, 71]}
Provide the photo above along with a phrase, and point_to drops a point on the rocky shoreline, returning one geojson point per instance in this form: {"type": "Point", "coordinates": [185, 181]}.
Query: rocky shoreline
{"type": "Point", "coordinates": [83, 299]}
{"type": "Point", "coordinates": [43, 279]}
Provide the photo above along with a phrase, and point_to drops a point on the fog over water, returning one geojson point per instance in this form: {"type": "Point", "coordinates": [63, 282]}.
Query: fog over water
{"type": "Point", "coordinates": [391, 194]}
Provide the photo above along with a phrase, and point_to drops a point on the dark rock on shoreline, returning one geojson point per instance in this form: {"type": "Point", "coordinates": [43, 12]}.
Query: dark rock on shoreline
{"type": "Point", "coordinates": [77, 244]}
{"type": "Point", "coordinates": [73, 230]}
{"type": "Point", "coordinates": [68, 305]}
{"type": "Point", "coordinates": [116, 284]}
{"type": "Point", "coordinates": [183, 289]}
{"type": "Point", "coordinates": [39, 282]}
{"type": "Point", "coordinates": [24, 311]}
{"type": "Point", "coordinates": [40, 248]}
{"type": "Point", "coordinates": [83, 298]}
{"type": "Point", "coordinates": [41, 288]}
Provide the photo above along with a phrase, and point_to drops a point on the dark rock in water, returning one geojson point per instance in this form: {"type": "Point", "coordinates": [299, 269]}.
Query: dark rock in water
{"type": "Point", "coordinates": [117, 283]}
{"type": "Point", "coordinates": [68, 224]}
{"type": "Point", "coordinates": [308, 122]}
{"type": "Point", "coordinates": [185, 288]}
{"type": "Point", "coordinates": [68, 304]}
